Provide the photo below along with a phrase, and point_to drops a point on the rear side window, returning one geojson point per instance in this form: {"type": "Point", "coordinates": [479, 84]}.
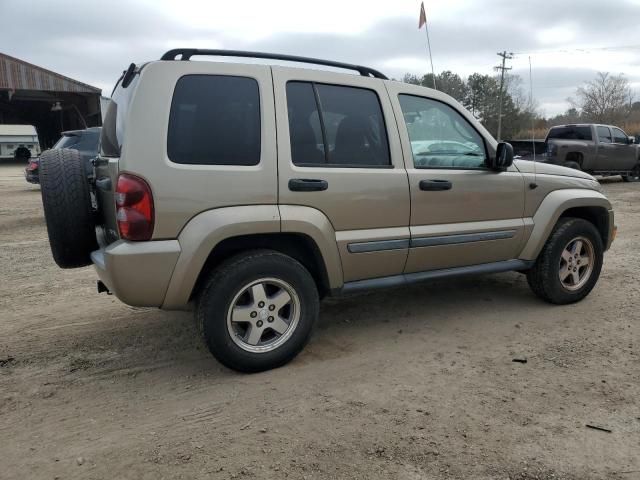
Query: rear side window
{"type": "Point", "coordinates": [571, 133]}
{"type": "Point", "coordinates": [604, 135]}
{"type": "Point", "coordinates": [337, 126]}
{"type": "Point", "coordinates": [215, 120]}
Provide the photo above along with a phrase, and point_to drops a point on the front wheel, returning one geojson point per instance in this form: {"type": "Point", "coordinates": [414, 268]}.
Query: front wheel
{"type": "Point", "coordinates": [634, 176]}
{"type": "Point", "coordinates": [569, 265]}
{"type": "Point", "coordinates": [257, 310]}
{"type": "Point", "coordinates": [573, 165]}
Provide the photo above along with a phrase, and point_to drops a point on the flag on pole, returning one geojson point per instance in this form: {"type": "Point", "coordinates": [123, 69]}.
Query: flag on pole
{"type": "Point", "coordinates": [423, 21]}
{"type": "Point", "coordinates": [423, 16]}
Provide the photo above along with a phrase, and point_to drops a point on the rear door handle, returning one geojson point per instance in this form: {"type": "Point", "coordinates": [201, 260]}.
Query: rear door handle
{"type": "Point", "coordinates": [435, 185]}
{"type": "Point", "coordinates": [307, 185]}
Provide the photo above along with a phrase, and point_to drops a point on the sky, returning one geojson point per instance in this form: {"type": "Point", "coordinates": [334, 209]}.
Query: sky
{"type": "Point", "coordinates": [568, 41]}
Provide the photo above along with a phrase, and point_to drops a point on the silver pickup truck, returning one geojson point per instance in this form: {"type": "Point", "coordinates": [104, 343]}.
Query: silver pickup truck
{"type": "Point", "coordinates": [596, 149]}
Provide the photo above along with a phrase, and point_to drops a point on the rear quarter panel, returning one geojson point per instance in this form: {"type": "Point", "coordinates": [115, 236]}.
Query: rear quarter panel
{"type": "Point", "coordinates": [181, 191]}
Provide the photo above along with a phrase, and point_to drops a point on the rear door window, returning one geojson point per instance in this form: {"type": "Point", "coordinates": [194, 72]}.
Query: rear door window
{"type": "Point", "coordinates": [604, 135]}
{"type": "Point", "coordinates": [215, 120]}
{"type": "Point", "coordinates": [336, 125]}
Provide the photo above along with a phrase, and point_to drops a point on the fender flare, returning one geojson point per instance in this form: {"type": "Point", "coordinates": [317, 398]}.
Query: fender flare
{"type": "Point", "coordinates": [200, 236]}
{"type": "Point", "coordinates": [551, 209]}
{"type": "Point", "coordinates": [206, 230]}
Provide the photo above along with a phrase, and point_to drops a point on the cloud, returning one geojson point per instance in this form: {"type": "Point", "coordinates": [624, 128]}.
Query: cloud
{"type": "Point", "coordinates": [93, 42]}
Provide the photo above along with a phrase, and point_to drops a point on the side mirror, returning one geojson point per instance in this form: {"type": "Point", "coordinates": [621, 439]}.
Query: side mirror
{"type": "Point", "coordinates": [632, 140]}
{"type": "Point", "coordinates": [503, 158]}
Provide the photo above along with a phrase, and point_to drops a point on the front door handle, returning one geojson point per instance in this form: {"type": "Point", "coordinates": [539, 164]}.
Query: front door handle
{"type": "Point", "coordinates": [435, 185]}
{"type": "Point", "coordinates": [307, 185]}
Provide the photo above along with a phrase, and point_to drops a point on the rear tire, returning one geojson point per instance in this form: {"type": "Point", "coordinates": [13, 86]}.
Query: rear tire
{"type": "Point", "coordinates": [634, 176]}
{"type": "Point", "coordinates": [562, 274]}
{"type": "Point", "coordinates": [257, 310]}
{"type": "Point", "coordinates": [67, 207]}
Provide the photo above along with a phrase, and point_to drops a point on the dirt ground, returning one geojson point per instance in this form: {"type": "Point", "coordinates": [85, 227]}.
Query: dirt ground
{"type": "Point", "coordinates": [414, 383]}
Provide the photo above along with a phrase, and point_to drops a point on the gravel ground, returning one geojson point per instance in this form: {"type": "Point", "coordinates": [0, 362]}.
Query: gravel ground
{"type": "Point", "coordinates": [408, 383]}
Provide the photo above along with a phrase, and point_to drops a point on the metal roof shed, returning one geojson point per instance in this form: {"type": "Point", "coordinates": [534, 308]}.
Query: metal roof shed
{"type": "Point", "coordinates": [51, 102]}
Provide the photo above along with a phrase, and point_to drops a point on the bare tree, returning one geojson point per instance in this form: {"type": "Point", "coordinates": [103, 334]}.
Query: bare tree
{"type": "Point", "coordinates": [607, 99]}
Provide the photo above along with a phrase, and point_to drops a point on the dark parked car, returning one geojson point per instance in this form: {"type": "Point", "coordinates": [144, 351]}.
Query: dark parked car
{"type": "Point", "coordinates": [84, 141]}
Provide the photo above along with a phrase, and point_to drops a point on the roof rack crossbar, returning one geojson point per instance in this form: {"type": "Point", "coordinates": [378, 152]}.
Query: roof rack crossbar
{"type": "Point", "coordinates": [187, 53]}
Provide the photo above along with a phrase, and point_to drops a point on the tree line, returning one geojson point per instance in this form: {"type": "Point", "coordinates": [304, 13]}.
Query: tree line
{"type": "Point", "coordinates": [606, 99]}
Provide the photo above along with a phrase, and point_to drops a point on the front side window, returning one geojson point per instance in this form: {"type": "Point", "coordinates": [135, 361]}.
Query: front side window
{"type": "Point", "coordinates": [331, 125]}
{"type": "Point", "coordinates": [215, 120]}
{"type": "Point", "coordinates": [619, 136]}
{"type": "Point", "coordinates": [604, 135]}
{"type": "Point", "coordinates": [440, 137]}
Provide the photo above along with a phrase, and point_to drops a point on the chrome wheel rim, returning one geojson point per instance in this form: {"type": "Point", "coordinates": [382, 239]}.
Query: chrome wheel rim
{"type": "Point", "coordinates": [263, 315]}
{"type": "Point", "coordinates": [576, 263]}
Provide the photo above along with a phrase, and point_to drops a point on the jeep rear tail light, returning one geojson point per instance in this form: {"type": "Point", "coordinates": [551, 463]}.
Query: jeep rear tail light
{"type": "Point", "coordinates": [134, 208]}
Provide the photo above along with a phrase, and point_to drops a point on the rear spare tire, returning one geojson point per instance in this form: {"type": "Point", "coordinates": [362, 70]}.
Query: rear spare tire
{"type": "Point", "coordinates": [67, 207]}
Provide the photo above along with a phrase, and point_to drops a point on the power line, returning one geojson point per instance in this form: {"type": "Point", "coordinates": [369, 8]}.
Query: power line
{"type": "Point", "coordinates": [505, 56]}
{"type": "Point", "coordinates": [581, 50]}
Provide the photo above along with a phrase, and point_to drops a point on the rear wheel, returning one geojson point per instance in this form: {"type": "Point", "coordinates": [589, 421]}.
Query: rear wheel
{"type": "Point", "coordinates": [257, 310]}
{"type": "Point", "coordinates": [634, 176]}
{"type": "Point", "coordinates": [569, 265]}
{"type": "Point", "coordinates": [67, 206]}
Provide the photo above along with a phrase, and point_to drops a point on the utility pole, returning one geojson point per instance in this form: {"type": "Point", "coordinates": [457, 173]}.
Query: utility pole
{"type": "Point", "coordinates": [505, 56]}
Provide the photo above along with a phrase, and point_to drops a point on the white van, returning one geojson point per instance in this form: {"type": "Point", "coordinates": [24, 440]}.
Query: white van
{"type": "Point", "coordinates": [13, 137]}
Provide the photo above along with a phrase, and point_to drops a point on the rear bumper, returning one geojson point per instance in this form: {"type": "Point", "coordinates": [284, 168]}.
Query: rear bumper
{"type": "Point", "coordinates": [31, 176]}
{"type": "Point", "coordinates": [138, 273]}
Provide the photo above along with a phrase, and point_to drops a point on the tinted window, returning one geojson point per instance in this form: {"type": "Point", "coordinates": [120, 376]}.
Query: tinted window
{"type": "Point", "coordinates": [619, 136]}
{"type": "Point", "coordinates": [215, 120]}
{"type": "Point", "coordinates": [570, 133]}
{"type": "Point", "coordinates": [604, 136]}
{"type": "Point", "coordinates": [88, 142]}
{"type": "Point", "coordinates": [67, 141]}
{"type": "Point", "coordinates": [307, 146]}
{"type": "Point", "coordinates": [440, 137]}
{"type": "Point", "coordinates": [347, 131]}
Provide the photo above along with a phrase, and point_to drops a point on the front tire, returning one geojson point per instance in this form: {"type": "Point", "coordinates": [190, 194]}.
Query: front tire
{"type": "Point", "coordinates": [573, 165]}
{"type": "Point", "coordinates": [257, 310]}
{"type": "Point", "coordinates": [569, 265]}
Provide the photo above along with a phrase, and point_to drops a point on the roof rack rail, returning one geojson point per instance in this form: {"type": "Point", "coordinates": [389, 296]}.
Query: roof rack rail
{"type": "Point", "coordinates": [187, 53]}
